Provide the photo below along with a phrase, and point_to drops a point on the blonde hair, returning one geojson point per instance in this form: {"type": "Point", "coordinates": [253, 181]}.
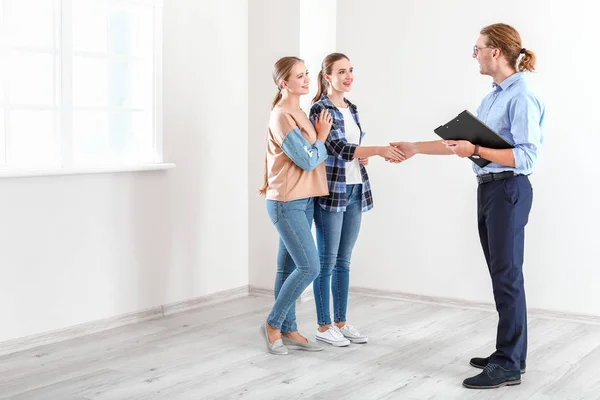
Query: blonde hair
{"type": "Point", "coordinates": [281, 72]}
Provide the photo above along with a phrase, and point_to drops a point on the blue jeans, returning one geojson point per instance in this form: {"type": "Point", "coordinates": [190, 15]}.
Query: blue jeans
{"type": "Point", "coordinates": [336, 235]}
{"type": "Point", "coordinates": [503, 211]}
{"type": "Point", "coordinates": [297, 262]}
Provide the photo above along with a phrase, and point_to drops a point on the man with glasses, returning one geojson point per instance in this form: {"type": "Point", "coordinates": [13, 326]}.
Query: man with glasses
{"type": "Point", "coordinates": [504, 193]}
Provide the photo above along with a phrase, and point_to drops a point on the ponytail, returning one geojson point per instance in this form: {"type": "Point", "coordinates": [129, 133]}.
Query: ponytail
{"type": "Point", "coordinates": [527, 62]}
{"type": "Point", "coordinates": [321, 86]}
{"type": "Point", "coordinates": [276, 99]}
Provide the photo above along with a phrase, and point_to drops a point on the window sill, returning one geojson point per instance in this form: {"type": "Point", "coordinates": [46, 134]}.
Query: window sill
{"type": "Point", "coordinates": [20, 173]}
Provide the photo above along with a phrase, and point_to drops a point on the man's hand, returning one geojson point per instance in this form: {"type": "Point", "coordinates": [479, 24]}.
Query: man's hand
{"type": "Point", "coordinates": [408, 148]}
{"type": "Point", "coordinates": [364, 161]}
{"type": "Point", "coordinates": [391, 154]}
{"type": "Point", "coordinates": [461, 148]}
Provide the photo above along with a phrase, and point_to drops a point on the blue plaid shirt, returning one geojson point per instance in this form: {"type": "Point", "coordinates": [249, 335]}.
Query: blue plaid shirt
{"type": "Point", "coordinates": [339, 152]}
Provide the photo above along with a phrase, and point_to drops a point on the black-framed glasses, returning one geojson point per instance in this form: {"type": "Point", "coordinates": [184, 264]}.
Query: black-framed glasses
{"type": "Point", "coordinates": [476, 49]}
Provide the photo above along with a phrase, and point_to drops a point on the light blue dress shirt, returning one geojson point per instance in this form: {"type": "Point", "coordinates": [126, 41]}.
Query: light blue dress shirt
{"type": "Point", "coordinates": [516, 114]}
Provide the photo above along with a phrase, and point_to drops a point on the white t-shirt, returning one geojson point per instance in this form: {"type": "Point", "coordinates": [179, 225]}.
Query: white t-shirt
{"type": "Point", "coordinates": [353, 175]}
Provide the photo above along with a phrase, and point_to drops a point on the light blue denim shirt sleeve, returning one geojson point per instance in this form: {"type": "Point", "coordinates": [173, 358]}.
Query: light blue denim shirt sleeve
{"type": "Point", "coordinates": [302, 153]}
{"type": "Point", "coordinates": [516, 114]}
{"type": "Point", "coordinates": [525, 126]}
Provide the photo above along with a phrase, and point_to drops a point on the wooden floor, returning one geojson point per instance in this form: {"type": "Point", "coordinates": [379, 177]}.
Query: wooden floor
{"type": "Point", "coordinates": [416, 351]}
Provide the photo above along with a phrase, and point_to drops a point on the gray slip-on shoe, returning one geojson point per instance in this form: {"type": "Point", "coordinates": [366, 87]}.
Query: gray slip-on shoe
{"type": "Point", "coordinates": [277, 347]}
{"type": "Point", "coordinates": [292, 344]}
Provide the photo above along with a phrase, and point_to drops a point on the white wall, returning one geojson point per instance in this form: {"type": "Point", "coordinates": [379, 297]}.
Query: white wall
{"type": "Point", "coordinates": [75, 249]}
{"type": "Point", "coordinates": [206, 129]}
{"type": "Point", "coordinates": [317, 39]}
{"type": "Point", "coordinates": [273, 32]}
{"type": "Point", "coordinates": [414, 71]}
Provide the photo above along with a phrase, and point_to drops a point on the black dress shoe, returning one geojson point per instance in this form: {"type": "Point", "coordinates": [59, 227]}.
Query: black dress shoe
{"type": "Point", "coordinates": [479, 362]}
{"type": "Point", "coordinates": [493, 376]}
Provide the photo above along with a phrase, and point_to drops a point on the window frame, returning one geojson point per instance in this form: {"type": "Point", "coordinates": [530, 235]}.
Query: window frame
{"type": "Point", "coordinates": [63, 81]}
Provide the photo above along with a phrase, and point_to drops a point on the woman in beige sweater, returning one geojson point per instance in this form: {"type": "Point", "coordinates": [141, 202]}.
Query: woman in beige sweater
{"type": "Point", "coordinates": [294, 175]}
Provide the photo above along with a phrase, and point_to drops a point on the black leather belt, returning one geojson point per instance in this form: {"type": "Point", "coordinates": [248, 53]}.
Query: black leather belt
{"type": "Point", "coordinates": [495, 177]}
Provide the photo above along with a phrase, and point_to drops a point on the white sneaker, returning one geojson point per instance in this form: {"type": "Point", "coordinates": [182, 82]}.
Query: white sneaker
{"type": "Point", "coordinates": [350, 333]}
{"type": "Point", "coordinates": [333, 336]}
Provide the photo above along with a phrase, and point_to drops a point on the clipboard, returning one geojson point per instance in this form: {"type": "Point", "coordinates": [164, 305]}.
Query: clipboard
{"type": "Point", "coordinates": [466, 126]}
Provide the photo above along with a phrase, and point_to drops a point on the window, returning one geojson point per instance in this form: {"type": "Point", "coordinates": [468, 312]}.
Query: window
{"type": "Point", "coordinates": [79, 83]}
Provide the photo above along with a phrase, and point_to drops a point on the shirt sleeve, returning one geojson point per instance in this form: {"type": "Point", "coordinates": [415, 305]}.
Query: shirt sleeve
{"type": "Point", "coordinates": [336, 142]}
{"type": "Point", "coordinates": [304, 155]}
{"type": "Point", "coordinates": [526, 114]}
{"type": "Point", "coordinates": [288, 136]}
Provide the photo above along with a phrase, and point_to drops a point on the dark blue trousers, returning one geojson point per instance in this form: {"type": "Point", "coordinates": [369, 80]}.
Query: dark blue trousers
{"type": "Point", "coordinates": [503, 210]}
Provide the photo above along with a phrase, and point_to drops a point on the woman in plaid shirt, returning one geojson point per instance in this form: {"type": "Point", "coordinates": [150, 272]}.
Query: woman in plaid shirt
{"type": "Point", "coordinates": [338, 215]}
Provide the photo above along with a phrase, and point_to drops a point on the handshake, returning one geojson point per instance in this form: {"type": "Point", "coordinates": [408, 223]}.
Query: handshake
{"type": "Point", "coordinates": [397, 152]}
{"type": "Point", "coordinates": [394, 153]}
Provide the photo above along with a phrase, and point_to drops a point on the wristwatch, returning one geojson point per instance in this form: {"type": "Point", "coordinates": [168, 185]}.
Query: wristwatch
{"type": "Point", "coordinates": [476, 152]}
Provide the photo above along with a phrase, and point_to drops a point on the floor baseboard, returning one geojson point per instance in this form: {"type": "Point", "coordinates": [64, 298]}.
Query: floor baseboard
{"type": "Point", "coordinates": [307, 295]}
{"type": "Point", "coordinates": [472, 305]}
{"type": "Point", "coordinates": [29, 342]}
{"type": "Point", "coordinates": [207, 300]}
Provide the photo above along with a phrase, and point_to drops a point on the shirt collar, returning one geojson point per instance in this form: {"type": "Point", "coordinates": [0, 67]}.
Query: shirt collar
{"type": "Point", "coordinates": [329, 104]}
{"type": "Point", "coordinates": [509, 81]}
